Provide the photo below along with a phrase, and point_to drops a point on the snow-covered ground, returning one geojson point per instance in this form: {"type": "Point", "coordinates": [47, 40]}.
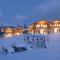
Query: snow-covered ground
{"type": "Point", "coordinates": [52, 52]}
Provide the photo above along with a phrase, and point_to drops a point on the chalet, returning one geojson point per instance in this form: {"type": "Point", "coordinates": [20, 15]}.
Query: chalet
{"type": "Point", "coordinates": [9, 31]}
{"type": "Point", "coordinates": [39, 27]}
{"type": "Point", "coordinates": [55, 26]}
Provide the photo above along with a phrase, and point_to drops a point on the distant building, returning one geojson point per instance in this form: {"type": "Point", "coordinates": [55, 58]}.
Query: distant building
{"type": "Point", "coordinates": [39, 27]}
{"type": "Point", "coordinates": [10, 31]}
{"type": "Point", "coordinates": [18, 30]}
{"type": "Point", "coordinates": [44, 27]}
{"type": "Point", "coordinates": [55, 26]}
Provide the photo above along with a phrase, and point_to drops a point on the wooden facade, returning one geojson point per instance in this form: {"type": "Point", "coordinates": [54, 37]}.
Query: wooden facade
{"type": "Point", "coordinates": [39, 27]}
{"type": "Point", "coordinates": [44, 27]}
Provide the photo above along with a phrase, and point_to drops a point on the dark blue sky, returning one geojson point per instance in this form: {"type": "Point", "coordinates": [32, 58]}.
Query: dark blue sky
{"type": "Point", "coordinates": [26, 11]}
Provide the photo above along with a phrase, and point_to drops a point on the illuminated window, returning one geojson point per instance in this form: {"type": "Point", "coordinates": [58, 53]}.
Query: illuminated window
{"type": "Point", "coordinates": [55, 25]}
{"type": "Point", "coordinates": [59, 25]}
{"type": "Point", "coordinates": [41, 25]}
{"type": "Point", "coordinates": [51, 25]}
{"type": "Point", "coordinates": [37, 25]}
{"type": "Point", "coordinates": [41, 31]}
{"type": "Point", "coordinates": [44, 25]}
{"type": "Point", "coordinates": [17, 33]}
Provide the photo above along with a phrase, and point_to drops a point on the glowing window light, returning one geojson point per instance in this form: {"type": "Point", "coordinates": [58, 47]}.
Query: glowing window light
{"type": "Point", "coordinates": [55, 25]}
{"type": "Point", "coordinates": [37, 25]}
{"type": "Point", "coordinates": [17, 33]}
{"type": "Point", "coordinates": [41, 25]}
{"type": "Point", "coordinates": [8, 30]}
{"type": "Point", "coordinates": [59, 24]}
{"type": "Point", "coordinates": [41, 31]}
{"type": "Point", "coordinates": [44, 25]}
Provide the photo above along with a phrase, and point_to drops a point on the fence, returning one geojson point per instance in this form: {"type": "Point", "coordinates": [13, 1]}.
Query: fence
{"type": "Point", "coordinates": [36, 40]}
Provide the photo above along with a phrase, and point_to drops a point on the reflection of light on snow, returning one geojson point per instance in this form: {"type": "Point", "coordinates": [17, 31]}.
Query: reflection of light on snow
{"type": "Point", "coordinates": [8, 35]}
{"type": "Point", "coordinates": [17, 33]}
{"type": "Point", "coordinates": [56, 29]}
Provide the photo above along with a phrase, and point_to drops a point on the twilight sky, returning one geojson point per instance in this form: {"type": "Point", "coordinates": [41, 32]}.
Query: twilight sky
{"type": "Point", "coordinates": [14, 12]}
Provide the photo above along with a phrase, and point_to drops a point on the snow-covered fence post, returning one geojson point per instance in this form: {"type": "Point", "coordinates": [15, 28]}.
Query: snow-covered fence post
{"type": "Point", "coordinates": [33, 40]}
{"type": "Point", "coordinates": [27, 38]}
{"type": "Point", "coordinates": [39, 41]}
{"type": "Point", "coordinates": [43, 42]}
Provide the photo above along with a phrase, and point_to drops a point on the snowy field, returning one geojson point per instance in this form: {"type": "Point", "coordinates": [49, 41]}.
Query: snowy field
{"type": "Point", "coordinates": [52, 52]}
